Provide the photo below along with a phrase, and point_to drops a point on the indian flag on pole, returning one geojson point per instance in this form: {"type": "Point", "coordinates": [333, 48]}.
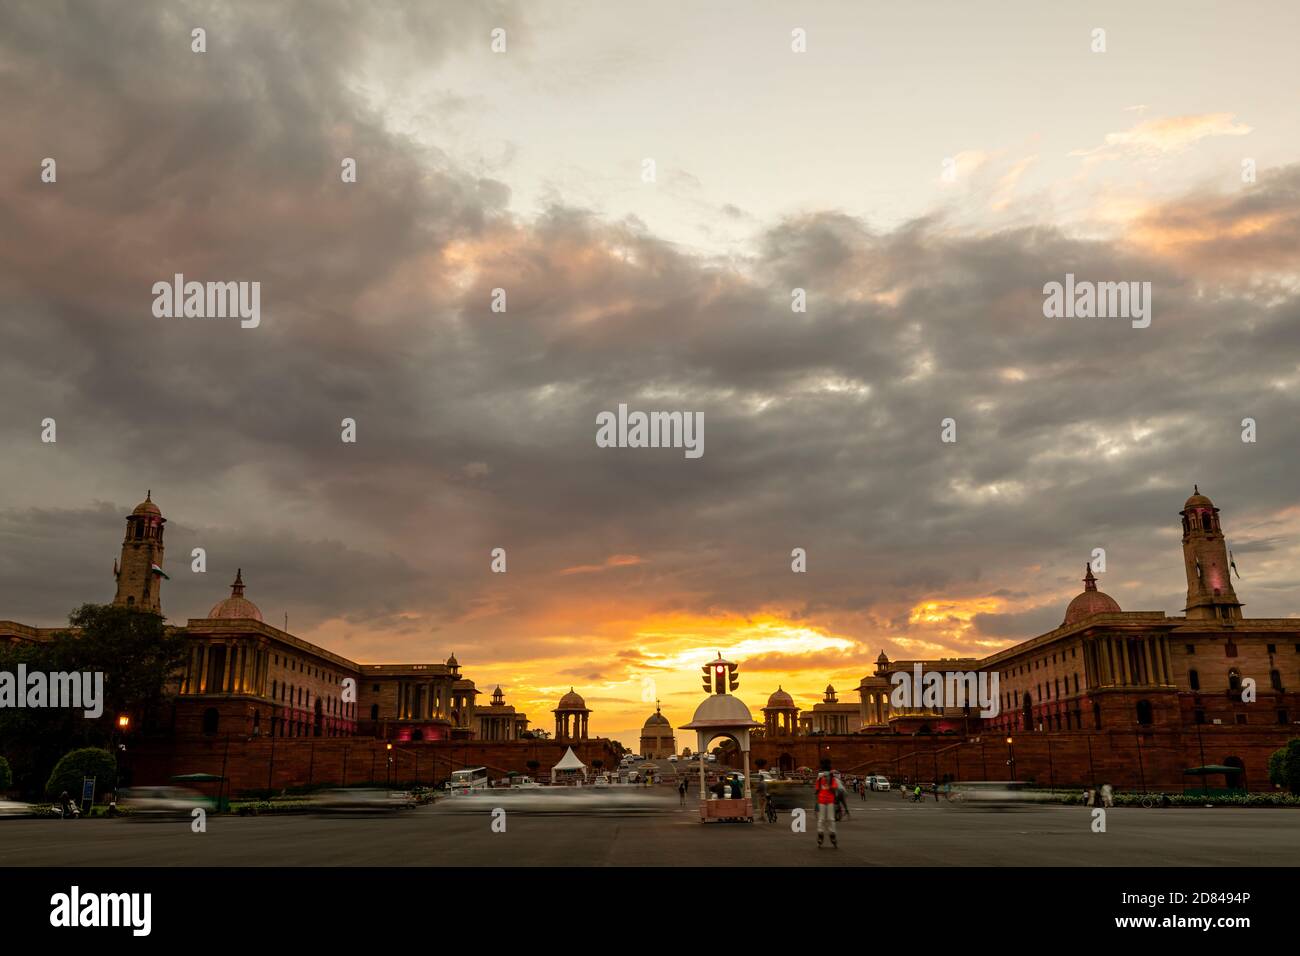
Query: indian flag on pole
{"type": "Point", "coordinates": [159, 571]}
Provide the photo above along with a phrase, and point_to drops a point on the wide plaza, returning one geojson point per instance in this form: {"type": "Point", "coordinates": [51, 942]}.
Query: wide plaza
{"type": "Point", "coordinates": [883, 831]}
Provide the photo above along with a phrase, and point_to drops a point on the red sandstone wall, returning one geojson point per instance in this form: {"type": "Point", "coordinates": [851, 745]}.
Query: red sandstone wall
{"type": "Point", "coordinates": [294, 762]}
{"type": "Point", "coordinates": [1154, 760]}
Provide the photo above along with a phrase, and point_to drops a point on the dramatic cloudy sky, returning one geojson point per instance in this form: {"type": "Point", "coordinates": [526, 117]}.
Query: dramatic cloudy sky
{"type": "Point", "coordinates": [522, 170]}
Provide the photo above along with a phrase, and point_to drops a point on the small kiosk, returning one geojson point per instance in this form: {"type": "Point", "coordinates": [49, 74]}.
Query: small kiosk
{"type": "Point", "coordinates": [721, 715]}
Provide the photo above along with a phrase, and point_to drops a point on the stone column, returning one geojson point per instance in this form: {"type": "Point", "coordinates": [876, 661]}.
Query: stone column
{"type": "Point", "coordinates": [1146, 656]}
{"type": "Point", "coordinates": [225, 667]}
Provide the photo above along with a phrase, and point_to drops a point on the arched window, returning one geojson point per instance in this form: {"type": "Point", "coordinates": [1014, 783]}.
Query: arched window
{"type": "Point", "coordinates": [210, 721]}
{"type": "Point", "coordinates": [1144, 712]}
{"type": "Point", "coordinates": [1096, 715]}
{"type": "Point", "coordinates": [1194, 678]}
{"type": "Point", "coordinates": [1205, 522]}
{"type": "Point", "coordinates": [257, 723]}
{"type": "Point", "coordinates": [1027, 711]}
{"type": "Point", "coordinates": [374, 711]}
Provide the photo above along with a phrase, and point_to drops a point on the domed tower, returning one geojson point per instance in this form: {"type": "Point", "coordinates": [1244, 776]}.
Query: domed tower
{"type": "Point", "coordinates": [1090, 601]}
{"type": "Point", "coordinates": [236, 606]}
{"type": "Point", "coordinates": [657, 738]}
{"type": "Point", "coordinates": [571, 717]}
{"type": "Point", "coordinates": [781, 715]}
{"type": "Point", "coordinates": [139, 573]}
{"type": "Point", "coordinates": [1205, 556]}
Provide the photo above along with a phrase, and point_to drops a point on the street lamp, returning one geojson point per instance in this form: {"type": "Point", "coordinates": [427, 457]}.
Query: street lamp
{"type": "Point", "coordinates": [389, 748]}
{"type": "Point", "coordinates": [123, 722]}
{"type": "Point", "coordinates": [1011, 756]}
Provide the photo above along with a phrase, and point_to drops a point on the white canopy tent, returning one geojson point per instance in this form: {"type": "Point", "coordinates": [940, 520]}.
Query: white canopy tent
{"type": "Point", "coordinates": [569, 762]}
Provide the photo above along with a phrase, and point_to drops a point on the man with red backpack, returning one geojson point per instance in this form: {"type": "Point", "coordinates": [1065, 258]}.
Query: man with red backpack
{"type": "Point", "coordinates": [827, 786]}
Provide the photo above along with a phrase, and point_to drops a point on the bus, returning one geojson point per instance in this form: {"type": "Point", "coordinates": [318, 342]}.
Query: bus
{"type": "Point", "coordinates": [467, 779]}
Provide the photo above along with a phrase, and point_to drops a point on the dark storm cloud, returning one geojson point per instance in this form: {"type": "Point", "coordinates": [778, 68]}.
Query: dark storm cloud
{"type": "Point", "coordinates": [477, 428]}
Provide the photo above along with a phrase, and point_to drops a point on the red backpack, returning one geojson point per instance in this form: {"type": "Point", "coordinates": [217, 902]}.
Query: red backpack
{"type": "Point", "coordinates": [826, 790]}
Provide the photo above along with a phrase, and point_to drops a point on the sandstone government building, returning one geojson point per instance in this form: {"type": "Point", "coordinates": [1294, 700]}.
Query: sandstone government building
{"type": "Point", "coordinates": [1139, 699]}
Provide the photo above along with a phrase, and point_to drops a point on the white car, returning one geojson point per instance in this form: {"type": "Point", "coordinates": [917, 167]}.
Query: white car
{"type": "Point", "coordinates": [672, 758]}
{"type": "Point", "coordinates": [878, 783]}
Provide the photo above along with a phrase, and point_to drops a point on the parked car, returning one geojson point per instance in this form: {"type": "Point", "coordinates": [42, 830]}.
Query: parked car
{"type": "Point", "coordinates": [877, 782]}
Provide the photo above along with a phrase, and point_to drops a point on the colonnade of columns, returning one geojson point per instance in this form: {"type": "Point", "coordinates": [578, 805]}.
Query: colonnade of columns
{"type": "Point", "coordinates": [244, 668]}
{"type": "Point", "coordinates": [499, 728]}
{"type": "Point", "coordinates": [571, 725]}
{"type": "Point", "coordinates": [430, 700]}
{"type": "Point", "coordinates": [1126, 662]}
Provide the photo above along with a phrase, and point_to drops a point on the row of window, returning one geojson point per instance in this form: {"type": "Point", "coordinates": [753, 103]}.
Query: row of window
{"type": "Point", "coordinates": [1234, 680]}
{"type": "Point", "coordinates": [301, 697]}
{"type": "Point", "coordinates": [319, 673]}
{"type": "Point", "coordinates": [1230, 648]}
{"type": "Point", "coordinates": [1034, 665]}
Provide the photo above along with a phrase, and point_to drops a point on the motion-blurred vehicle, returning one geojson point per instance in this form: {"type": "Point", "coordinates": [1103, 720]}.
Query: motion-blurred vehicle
{"type": "Point", "coordinates": [877, 782]}
{"type": "Point", "coordinates": [360, 798]}
{"type": "Point", "coordinates": [160, 801]}
{"type": "Point", "coordinates": [14, 808]}
{"type": "Point", "coordinates": [996, 794]}
{"type": "Point", "coordinates": [791, 794]}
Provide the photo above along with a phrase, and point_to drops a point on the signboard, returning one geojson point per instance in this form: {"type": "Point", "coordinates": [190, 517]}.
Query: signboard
{"type": "Point", "coordinates": [87, 790]}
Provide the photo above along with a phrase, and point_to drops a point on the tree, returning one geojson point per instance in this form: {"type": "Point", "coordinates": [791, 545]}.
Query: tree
{"type": "Point", "coordinates": [138, 657]}
{"type": "Point", "coordinates": [6, 775]}
{"type": "Point", "coordinates": [1284, 766]}
{"type": "Point", "coordinates": [79, 764]}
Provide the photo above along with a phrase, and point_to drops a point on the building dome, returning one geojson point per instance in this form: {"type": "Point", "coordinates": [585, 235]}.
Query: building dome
{"type": "Point", "coordinates": [147, 507]}
{"type": "Point", "coordinates": [236, 606]}
{"type": "Point", "coordinates": [723, 710]}
{"type": "Point", "coordinates": [572, 701]}
{"type": "Point", "coordinates": [656, 721]}
{"type": "Point", "coordinates": [779, 699]}
{"type": "Point", "coordinates": [1197, 500]}
{"type": "Point", "coordinates": [1090, 602]}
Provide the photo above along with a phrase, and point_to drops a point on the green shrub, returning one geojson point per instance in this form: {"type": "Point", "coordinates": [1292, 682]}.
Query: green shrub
{"type": "Point", "coordinates": [1284, 766]}
{"type": "Point", "coordinates": [73, 766]}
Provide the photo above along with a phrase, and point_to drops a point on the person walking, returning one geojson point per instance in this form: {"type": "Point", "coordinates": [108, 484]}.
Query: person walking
{"type": "Point", "coordinates": [681, 792]}
{"type": "Point", "coordinates": [825, 786]}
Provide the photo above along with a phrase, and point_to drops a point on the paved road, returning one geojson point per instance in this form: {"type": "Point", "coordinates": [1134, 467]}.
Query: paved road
{"type": "Point", "coordinates": [883, 831]}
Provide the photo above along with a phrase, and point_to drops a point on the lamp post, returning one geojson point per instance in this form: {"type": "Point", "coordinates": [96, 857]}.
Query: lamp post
{"type": "Point", "coordinates": [1011, 756]}
{"type": "Point", "coordinates": [389, 748]}
{"type": "Point", "coordinates": [123, 722]}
